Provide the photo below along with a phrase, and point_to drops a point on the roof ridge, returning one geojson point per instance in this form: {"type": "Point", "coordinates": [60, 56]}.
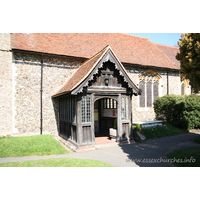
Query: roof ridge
{"type": "Point", "coordinates": [174, 64]}
{"type": "Point", "coordinates": [94, 55]}
{"type": "Point", "coordinates": [137, 36]}
{"type": "Point", "coordinates": [165, 45]}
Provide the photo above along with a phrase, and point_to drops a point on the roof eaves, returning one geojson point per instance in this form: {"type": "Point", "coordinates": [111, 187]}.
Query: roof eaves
{"type": "Point", "coordinates": [124, 69]}
{"type": "Point", "coordinates": [103, 51]}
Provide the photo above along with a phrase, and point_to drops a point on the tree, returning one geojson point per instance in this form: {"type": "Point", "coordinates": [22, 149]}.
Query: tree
{"type": "Point", "coordinates": [189, 57]}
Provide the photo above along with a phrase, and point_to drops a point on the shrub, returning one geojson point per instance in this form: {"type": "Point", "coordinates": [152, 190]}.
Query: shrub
{"type": "Point", "coordinates": [137, 128]}
{"type": "Point", "coordinates": [191, 111]}
{"type": "Point", "coordinates": [181, 111]}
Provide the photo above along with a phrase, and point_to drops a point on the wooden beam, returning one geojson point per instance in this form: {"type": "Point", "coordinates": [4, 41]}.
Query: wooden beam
{"type": "Point", "coordinates": [130, 118]}
{"type": "Point", "coordinates": [92, 118]}
{"type": "Point", "coordinates": [119, 121]}
{"type": "Point", "coordinates": [79, 121]}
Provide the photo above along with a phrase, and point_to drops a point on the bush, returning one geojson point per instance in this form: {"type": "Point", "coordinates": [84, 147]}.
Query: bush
{"type": "Point", "coordinates": [180, 111]}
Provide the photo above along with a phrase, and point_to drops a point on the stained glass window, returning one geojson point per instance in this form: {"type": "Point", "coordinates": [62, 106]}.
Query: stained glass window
{"type": "Point", "coordinates": [111, 103]}
{"type": "Point", "coordinates": [155, 90]}
{"type": "Point", "coordinates": [108, 103]}
{"type": "Point", "coordinates": [149, 94]}
{"type": "Point", "coordinates": [149, 85]}
{"type": "Point", "coordinates": [150, 91]}
{"type": "Point", "coordinates": [115, 104]}
{"type": "Point", "coordinates": [142, 96]}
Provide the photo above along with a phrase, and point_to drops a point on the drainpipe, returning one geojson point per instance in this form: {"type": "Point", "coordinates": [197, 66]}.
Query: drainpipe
{"type": "Point", "coordinates": [167, 82]}
{"type": "Point", "coordinates": [41, 119]}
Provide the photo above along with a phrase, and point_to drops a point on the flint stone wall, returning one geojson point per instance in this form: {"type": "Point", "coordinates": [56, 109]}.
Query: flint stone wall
{"type": "Point", "coordinates": [56, 71]}
{"type": "Point", "coordinates": [5, 85]}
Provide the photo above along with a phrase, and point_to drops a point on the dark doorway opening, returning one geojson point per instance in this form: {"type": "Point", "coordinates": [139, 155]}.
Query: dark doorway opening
{"type": "Point", "coordinates": [105, 117]}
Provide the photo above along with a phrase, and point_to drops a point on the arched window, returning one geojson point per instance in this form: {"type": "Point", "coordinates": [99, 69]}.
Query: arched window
{"type": "Point", "coordinates": [182, 88]}
{"type": "Point", "coordinates": [142, 96]}
{"type": "Point", "coordinates": [149, 85]}
{"type": "Point", "coordinates": [149, 93]}
{"type": "Point", "coordinates": [155, 90]}
{"type": "Point", "coordinates": [184, 84]}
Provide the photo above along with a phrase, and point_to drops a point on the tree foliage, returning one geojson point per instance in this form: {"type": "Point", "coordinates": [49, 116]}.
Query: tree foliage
{"type": "Point", "coordinates": [189, 57]}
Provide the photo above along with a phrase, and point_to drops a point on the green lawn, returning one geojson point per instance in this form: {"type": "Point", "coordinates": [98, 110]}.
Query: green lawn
{"type": "Point", "coordinates": [37, 145]}
{"type": "Point", "coordinates": [57, 162]}
{"type": "Point", "coordinates": [162, 131]}
{"type": "Point", "coordinates": [189, 157]}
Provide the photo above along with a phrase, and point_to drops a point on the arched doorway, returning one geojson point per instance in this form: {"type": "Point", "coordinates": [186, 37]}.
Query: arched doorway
{"type": "Point", "coordinates": [105, 117]}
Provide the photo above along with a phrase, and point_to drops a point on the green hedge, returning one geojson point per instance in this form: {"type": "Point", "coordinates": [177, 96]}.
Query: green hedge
{"type": "Point", "coordinates": [181, 111]}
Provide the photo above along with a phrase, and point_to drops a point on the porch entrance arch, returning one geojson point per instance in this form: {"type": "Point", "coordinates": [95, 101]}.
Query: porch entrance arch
{"type": "Point", "coordinates": [105, 115]}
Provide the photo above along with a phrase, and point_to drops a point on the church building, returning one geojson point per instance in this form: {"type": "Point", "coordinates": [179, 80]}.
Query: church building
{"type": "Point", "coordinates": [80, 85]}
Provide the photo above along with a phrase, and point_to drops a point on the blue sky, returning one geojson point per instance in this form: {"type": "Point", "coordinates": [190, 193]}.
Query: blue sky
{"type": "Point", "coordinates": [161, 38]}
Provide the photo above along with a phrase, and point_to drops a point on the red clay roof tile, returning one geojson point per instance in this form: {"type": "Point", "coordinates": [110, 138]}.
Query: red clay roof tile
{"type": "Point", "coordinates": [171, 52]}
{"type": "Point", "coordinates": [81, 73]}
{"type": "Point", "coordinates": [128, 48]}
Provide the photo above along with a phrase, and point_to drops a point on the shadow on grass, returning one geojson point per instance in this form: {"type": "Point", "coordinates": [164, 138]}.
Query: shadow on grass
{"type": "Point", "coordinates": [152, 153]}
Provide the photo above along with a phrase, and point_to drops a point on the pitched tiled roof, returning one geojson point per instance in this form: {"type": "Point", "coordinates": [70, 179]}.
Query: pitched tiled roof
{"type": "Point", "coordinates": [171, 52]}
{"type": "Point", "coordinates": [84, 71]}
{"type": "Point", "coordinates": [128, 48]}
{"type": "Point", "coordinates": [81, 73]}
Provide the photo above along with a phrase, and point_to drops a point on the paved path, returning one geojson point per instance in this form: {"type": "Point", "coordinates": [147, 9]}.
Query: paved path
{"type": "Point", "coordinates": [126, 155]}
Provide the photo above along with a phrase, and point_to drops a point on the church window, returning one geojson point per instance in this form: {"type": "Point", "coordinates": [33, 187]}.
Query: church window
{"type": "Point", "coordinates": [149, 85]}
{"type": "Point", "coordinates": [85, 108]}
{"type": "Point", "coordinates": [182, 89]}
{"type": "Point", "coordinates": [184, 84]}
{"type": "Point", "coordinates": [142, 96]}
{"type": "Point", "coordinates": [109, 103]}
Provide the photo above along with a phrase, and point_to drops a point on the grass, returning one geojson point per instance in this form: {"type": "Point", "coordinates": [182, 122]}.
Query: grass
{"type": "Point", "coordinates": [38, 145]}
{"type": "Point", "coordinates": [189, 157]}
{"type": "Point", "coordinates": [162, 131]}
{"type": "Point", "coordinates": [57, 162]}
